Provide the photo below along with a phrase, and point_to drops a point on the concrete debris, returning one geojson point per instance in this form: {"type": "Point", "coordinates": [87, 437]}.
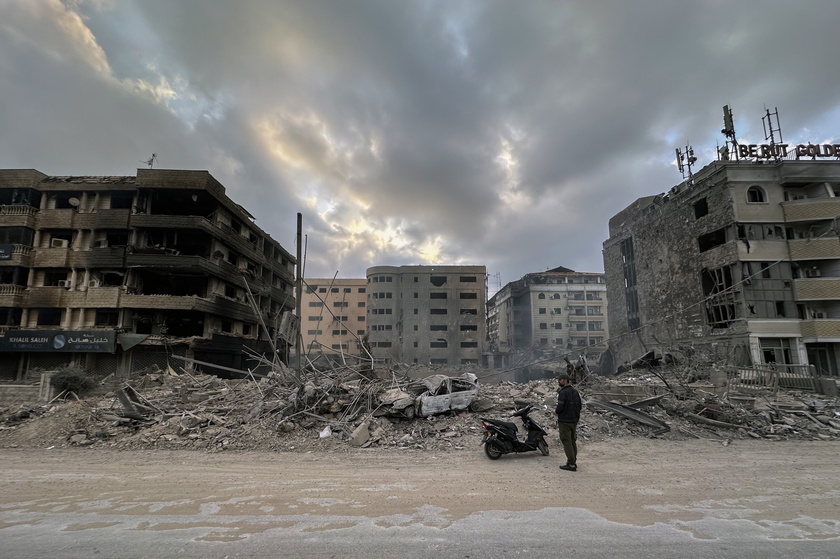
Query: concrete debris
{"type": "Point", "coordinates": [341, 409]}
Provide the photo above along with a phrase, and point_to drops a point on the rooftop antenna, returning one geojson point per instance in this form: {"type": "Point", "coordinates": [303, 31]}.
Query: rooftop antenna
{"type": "Point", "coordinates": [685, 160]}
{"type": "Point", "coordinates": [151, 161]}
{"type": "Point", "coordinates": [769, 131]}
{"type": "Point", "coordinates": [729, 132]}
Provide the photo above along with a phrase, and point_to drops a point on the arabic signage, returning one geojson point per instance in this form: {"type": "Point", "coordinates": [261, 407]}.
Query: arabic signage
{"type": "Point", "coordinates": [59, 341]}
{"type": "Point", "coordinates": [6, 251]}
{"type": "Point", "coordinates": [772, 151]}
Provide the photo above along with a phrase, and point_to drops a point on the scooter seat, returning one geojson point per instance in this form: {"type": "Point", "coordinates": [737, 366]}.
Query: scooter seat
{"type": "Point", "coordinates": [507, 425]}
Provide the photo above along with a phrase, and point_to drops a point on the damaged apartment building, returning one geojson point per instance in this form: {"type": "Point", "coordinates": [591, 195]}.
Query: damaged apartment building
{"type": "Point", "coordinates": [740, 263]}
{"type": "Point", "coordinates": [427, 315]}
{"type": "Point", "coordinates": [117, 274]}
{"type": "Point", "coordinates": [553, 314]}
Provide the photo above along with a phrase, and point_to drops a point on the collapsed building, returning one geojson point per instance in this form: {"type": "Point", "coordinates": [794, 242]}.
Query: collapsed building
{"type": "Point", "coordinates": [543, 315]}
{"type": "Point", "coordinates": [123, 273]}
{"type": "Point", "coordinates": [740, 263]}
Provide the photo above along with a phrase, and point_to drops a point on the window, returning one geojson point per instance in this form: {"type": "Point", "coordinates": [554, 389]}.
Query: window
{"type": "Point", "coordinates": [469, 295]}
{"type": "Point", "coordinates": [341, 304]}
{"type": "Point", "coordinates": [469, 328]}
{"type": "Point", "coordinates": [469, 344]}
{"type": "Point", "coordinates": [314, 318]}
{"type": "Point", "coordinates": [438, 344]}
{"type": "Point", "coordinates": [437, 311]}
{"type": "Point", "coordinates": [437, 281]}
{"type": "Point", "coordinates": [541, 296]}
{"type": "Point", "coordinates": [701, 208]}
{"type": "Point", "coordinates": [542, 310]}
{"type": "Point", "coordinates": [756, 195]}
{"type": "Point", "coordinates": [347, 290]}
{"type": "Point", "coordinates": [362, 290]}
{"type": "Point", "coordinates": [437, 295]}
{"type": "Point", "coordinates": [543, 326]}
{"type": "Point", "coordinates": [711, 240]}
{"type": "Point", "coordinates": [107, 317]}
{"type": "Point", "coordinates": [334, 290]}
{"type": "Point", "coordinates": [720, 300]}
{"type": "Point", "coordinates": [311, 303]}
{"type": "Point", "coordinates": [439, 361]}
{"type": "Point", "coordinates": [438, 327]}
{"type": "Point", "coordinates": [631, 297]}
{"type": "Point", "coordinates": [468, 279]}
{"type": "Point", "coordinates": [469, 311]}
{"type": "Point", "coordinates": [49, 317]}
{"type": "Point", "coordinates": [361, 304]}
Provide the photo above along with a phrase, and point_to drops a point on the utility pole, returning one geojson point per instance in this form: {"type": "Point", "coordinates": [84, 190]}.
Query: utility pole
{"type": "Point", "coordinates": [298, 292]}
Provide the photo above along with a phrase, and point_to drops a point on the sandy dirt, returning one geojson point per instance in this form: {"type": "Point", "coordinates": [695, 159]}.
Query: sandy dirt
{"type": "Point", "coordinates": [633, 481]}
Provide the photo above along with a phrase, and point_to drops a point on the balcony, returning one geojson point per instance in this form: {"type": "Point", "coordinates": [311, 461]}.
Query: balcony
{"type": "Point", "coordinates": [820, 329]}
{"type": "Point", "coordinates": [811, 210]}
{"type": "Point", "coordinates": [814, 249]}
{"type": "Point", "coordinates": [21, 256]}
{"type": "Point", "coordinates": [11, 295]}
{"type": "Point", "coordinates": [18, 216]}
{"type": "Point", "coordinates": [816, 289]}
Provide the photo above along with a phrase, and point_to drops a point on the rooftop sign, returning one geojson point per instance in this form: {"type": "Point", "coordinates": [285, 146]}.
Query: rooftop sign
{"type": "Point", "coordinates": [773, 151]}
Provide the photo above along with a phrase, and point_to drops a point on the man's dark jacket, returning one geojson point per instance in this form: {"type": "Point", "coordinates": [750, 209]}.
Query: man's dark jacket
{"type": "Point", "coordinates": [568, 405]}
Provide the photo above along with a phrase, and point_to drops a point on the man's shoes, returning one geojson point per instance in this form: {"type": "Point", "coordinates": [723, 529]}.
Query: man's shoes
{"type": "Point", "coordinates": [569, 467]}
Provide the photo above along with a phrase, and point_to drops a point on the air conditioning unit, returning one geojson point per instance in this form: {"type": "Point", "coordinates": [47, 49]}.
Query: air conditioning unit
{"type": "Point", "coordinates": [93, 283]}
{"type": "Point", "coordinates": [59, 243]}
{"type": "Point", "coordinates": [64, 283]}
{"type": "Point", "coordinates": [100, 244]}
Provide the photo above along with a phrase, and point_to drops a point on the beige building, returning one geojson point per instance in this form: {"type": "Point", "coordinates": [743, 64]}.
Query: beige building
{"type": "Point", "coordinates": [117, 274]}
{"type": "Point", "coordinates": [427, 314]}
{"type": "Point", "coordinates": [739, 264]}
{"type": "Point", "coordinates": [555, 313]}
{"type": "Point", "coordinates": [334, 320]}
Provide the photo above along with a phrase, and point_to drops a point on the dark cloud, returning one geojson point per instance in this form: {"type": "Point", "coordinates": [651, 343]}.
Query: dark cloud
{"type": "Point", "coordinates": [474, 132]}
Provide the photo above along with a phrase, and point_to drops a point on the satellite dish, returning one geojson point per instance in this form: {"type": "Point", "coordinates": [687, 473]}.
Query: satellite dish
{"type": "Point", "coordinates": [74, 202]}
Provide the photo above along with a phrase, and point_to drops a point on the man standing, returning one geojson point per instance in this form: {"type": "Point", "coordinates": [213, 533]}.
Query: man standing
{"type": "Point", "coordinates": [568, 415]}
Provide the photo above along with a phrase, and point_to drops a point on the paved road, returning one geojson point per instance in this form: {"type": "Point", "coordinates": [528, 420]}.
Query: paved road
{"type": "Point", "coordinates": [687, 499]}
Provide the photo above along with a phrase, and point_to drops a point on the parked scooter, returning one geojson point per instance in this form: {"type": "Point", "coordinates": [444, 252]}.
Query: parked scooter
{"type": "Point", "coordinates": [500, 437]}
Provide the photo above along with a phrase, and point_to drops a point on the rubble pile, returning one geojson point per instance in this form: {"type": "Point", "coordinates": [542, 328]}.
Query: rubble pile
{"type": "Point", "coordinates": [339, 411]}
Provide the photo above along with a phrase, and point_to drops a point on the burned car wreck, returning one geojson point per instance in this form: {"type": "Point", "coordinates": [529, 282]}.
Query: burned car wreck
{"type": "Point", "coordinates": [429, 396]}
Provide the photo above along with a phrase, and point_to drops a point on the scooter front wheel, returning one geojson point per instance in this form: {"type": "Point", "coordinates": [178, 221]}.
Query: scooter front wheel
{"type": "Point", "coordinates": [492, 451]}
{"type": "Point", "coordinates": [542, 446]}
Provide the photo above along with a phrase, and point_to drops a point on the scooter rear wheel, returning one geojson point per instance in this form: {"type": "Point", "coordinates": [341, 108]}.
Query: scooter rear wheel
{"type": "Point", "coordinates": [492, 451]}
{"type": "Point", "coordinates": [542, 446]}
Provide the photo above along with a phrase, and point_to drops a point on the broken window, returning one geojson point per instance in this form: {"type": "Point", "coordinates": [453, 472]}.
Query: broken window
{"type": "Point", "coordinates": [631, 296]}
{"type": "Point", "coordinates": [469, 327]}
{"type": "Point", "coordinates": [756, 195]}
{"type": "Point", "coordinates": [437, 281]}
{"type": "Point", "coordinates": [437, 311]}
{"type": "Point", "coordinates": [720, 298]}
{"type": "Point", "coordinates": [437, 295]}
{"type": "Point", "coordinates": [469, 295]}
{"type": "Point", "coordinates": [469, 344]}
{"type": "Point", "coordinates": [469, 311]}
{"type": "Point", "coordinates": [107, 317]}
{"type": "Point", "coordinates": [438, 344]}
{"type": "Point", "coordinates": [438, 327]}
{"type": "Point", "coordinates": [49, 317]}
{"type": "Point", "coordinates": [711, 240]}
{"type": "Point", "coordinates": [701, 208]}
{"type": "Point", "coordinates": [10, 316]}
{"type": "Point", "coordinates": [468, 279]}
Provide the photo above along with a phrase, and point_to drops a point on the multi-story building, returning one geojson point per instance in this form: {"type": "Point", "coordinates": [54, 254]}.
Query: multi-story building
{"type": "Point", "coordinates": [560, 311]}
{"type": "Point", "coordinates": [334, 320]}
{"type": "Point", "coordinates": [427, 314]}
{"type": "Point", "coordinates": [120, 273]}
{"type": "Point", "coordinates": [740, 263]}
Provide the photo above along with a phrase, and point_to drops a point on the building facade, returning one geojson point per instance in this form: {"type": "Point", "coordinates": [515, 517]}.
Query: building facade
{"type": "Point", "coordinates": [427, 314]}
{"type": "Point", "coordinates": [741, 264]}
{"type": "Point", "coordinates": [558, 312]}
{"type": "Point", "coordinates": [334, 320]}
{"type": "Point", "coordinates": [121, 273]}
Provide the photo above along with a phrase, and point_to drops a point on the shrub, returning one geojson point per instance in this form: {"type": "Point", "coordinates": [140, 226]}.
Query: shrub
{"type": "Point", "coordinates": [74, 379]}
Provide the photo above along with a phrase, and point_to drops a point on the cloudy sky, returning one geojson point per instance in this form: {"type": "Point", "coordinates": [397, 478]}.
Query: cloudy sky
{"type": "Point", "coordinates": [496, 133]}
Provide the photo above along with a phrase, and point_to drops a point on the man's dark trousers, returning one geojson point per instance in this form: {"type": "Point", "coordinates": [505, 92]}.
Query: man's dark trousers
{"type": "Point", "coordinates": [568, 436]}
